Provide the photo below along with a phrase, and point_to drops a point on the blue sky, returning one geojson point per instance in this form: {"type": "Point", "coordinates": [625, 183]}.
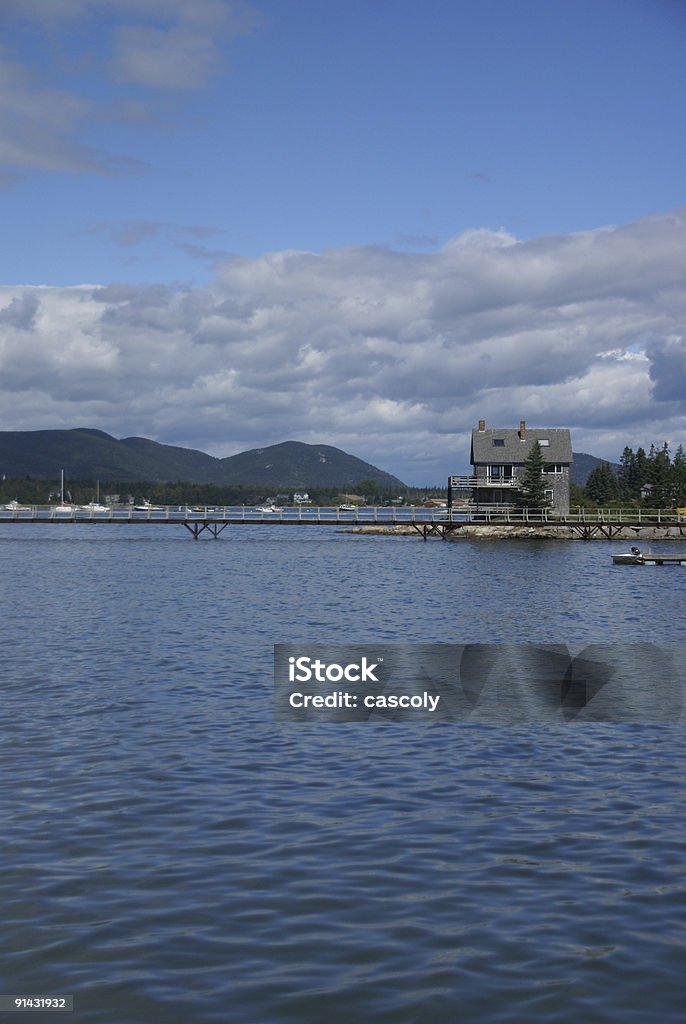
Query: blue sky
{"type": "Point", "coordinates": [167, 168]}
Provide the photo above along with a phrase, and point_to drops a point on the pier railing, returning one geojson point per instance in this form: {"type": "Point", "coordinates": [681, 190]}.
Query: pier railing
{"type": "Point", "coordinates": [231, 514]}
{"type": "Point", "coordinates": [614, 516]}
{"type": "Point", "coordinates": [388, 515]}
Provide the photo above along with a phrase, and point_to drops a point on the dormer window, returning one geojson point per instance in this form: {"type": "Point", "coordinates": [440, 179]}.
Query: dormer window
{"type": "Point", "coordinates": [498, 442]}
{"type": "Point", "coordinates": [544, 442]}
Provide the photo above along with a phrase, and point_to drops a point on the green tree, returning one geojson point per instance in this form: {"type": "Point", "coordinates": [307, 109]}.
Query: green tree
{"type": "Point", "coordinates": [369, 489]}
{"type": "Point", "coordinates": [659, 477]}
{"type": "Point", "coordinates": [602, 485]}
{"type": "Point", "coordinates": [679, 477]}
{"type": "Point", "coordinates": [640, 471]}
{"type": "Point", "coordinates": [532, 485]}
{"type": "Point", "coordinates": [626, 476]}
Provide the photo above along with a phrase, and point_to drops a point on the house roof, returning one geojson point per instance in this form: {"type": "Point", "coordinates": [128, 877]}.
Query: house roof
{"type": "Point", "coordinates": [515, 451]}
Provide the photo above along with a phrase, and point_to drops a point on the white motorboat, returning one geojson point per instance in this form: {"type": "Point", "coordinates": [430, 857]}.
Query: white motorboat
{"type": "Point", "coordinates": [14, 506]}
{"type": "Point", "coordinates": [268, 508]}
{"type": "Point", "coordinates": [93, 506]}
{"type": "Point", "coordinates": [638, 557]}
{"type": "Point", "coordinates": [145, 506]}
{"type": "Point", "coordinates": [345, 507]}
{"type": "Point", "coordinates": [632, 557]}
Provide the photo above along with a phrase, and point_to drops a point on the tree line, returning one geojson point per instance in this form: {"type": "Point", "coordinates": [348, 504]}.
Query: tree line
{"type": "Point", "coordinates": [654, 480]}
{"type": "Point", "coordinates": [40, 491]}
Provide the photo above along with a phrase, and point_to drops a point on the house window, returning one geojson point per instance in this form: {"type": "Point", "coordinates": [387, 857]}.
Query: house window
{"type": "Point", "coordinates": [499, 442]}
{"type": "Point", "coordinates": [549, 493]}
{"type": "Point", "coordinates": [554, 467]}
{"type": "Point", "coordinates": [544, 442]}
{"type": "Point", "coordinates": [498, 473]}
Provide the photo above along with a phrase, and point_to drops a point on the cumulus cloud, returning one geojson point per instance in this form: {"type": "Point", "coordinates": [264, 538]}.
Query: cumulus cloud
{"type": "Point", "coordinates": [391, 355]}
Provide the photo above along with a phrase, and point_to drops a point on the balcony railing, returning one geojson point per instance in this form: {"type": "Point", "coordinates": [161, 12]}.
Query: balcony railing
{"type": "Point", "coordinates": [470, 482]}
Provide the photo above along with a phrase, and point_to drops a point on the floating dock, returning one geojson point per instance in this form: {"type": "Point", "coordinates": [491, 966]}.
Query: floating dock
{"type": "Point", "coordinates": [648, 558]}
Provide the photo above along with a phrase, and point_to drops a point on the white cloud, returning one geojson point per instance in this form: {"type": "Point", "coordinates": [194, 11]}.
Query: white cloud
{"type": "Point", "coordinates": [392, 356]}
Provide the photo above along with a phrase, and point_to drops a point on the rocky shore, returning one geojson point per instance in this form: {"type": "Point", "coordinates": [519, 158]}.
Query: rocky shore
{"type": "Point", "coordinates": [531, 532]}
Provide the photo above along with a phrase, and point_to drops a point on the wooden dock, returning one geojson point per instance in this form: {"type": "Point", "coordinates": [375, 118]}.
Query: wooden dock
{"type": "Point", "coordinates": [426, 522]}
{"type": "Point", "coordinates": [649, 558]}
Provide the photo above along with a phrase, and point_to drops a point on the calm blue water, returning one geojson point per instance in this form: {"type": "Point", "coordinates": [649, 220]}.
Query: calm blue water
{"type": "Point", "coordinates": [171, 855]}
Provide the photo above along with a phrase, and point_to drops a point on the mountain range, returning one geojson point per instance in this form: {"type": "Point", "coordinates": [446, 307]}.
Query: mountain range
{"type": "Point", "coordinates": [86, 454]}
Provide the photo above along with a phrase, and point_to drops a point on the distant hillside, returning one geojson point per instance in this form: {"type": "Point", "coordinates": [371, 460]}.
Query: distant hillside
{"type": "Point", "coordinates": [94, 455]}
{"type": "Point", "coordinates": [583, 466]}
{"type": "Point", "coordinates": [298, 465]}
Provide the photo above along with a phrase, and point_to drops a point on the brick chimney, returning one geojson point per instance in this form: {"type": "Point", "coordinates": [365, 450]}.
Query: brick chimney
{"type": "Point", "coordinates": [482, 425]}
{"type": "Point", "coordinates": [522, 430]}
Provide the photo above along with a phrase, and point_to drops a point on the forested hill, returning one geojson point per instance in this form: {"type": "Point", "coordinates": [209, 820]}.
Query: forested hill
{"type": "Point", "coordinates": [583, 466]}
{"type": "Point", "coordinates": [87, 454]}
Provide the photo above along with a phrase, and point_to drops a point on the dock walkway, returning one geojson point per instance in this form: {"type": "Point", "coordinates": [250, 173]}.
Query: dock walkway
{"type": "Point", "coordinates": [427, 522]}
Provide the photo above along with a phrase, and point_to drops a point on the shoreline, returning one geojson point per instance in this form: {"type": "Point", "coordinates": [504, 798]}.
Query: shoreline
{"type": "Point", "coordinates": [476, 532]}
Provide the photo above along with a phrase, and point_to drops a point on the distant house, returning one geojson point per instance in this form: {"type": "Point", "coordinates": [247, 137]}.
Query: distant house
{"type": "Point", "coordinates": [499, 456]}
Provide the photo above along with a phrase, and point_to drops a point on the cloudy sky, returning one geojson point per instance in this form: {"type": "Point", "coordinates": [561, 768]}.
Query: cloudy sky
{"type": "Point", "coordinates": [365, 223]}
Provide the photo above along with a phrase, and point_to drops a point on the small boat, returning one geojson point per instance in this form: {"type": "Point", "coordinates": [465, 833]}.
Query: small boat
{"type": "Point", "coordinates": [96, 505]}
{"type": "Point", "coordinates": [145, 506]}
{"type": "Point", "coordinates": [268, 508]}
{"type": "Point", "coordinates": [632, 557]}
{"type": "Point", "coordinates": [638, 557]}
{"type": "Point", "coordinates": [14, 506]}
{"type": "Point", "coordinates": [347, 508]}
{"type": "Point", "coordinates": [63, 506]}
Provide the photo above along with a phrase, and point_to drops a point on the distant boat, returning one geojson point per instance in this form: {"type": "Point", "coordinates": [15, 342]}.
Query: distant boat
{"type": "Point", "coordinates": [95, 506]}
{"type": "Point", "coordinates": [347, 508]}
{"type": "Point", "coordinates": [268, 508]}
{"type": "Point", "coordinates": [14, 506]}
{"type": "Point", "coordinates": [63, 506]}
{"type": "Point", "coordinates": [145, 506]}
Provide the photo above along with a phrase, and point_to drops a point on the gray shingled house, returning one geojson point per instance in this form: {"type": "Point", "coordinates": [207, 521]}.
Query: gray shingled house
{"type": "Point", "coordinates": [498, 458]}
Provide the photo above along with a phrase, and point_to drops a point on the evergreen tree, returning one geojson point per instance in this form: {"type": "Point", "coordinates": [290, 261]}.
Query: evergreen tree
{"type": "Point", "coordinates": [626, 475]}
{"type": "Point", "coordinates": [640, 471]}
{"type": "Point", "coordinates": [532, 485]}
{"type": "Point", "coordinates": [602, 485]}
{"type": "Point", "coordinates": [659, 477]}
{"type": "Point", "coordinates": [679, 477]}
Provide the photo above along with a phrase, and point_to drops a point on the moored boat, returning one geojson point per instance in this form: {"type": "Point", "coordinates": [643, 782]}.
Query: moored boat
{"type": "Point", "coordinates": [145, 506]}
{"type": "Point", "coordinates": [638, 557]}
{"type": "Point", "coordinates": [632, 557]}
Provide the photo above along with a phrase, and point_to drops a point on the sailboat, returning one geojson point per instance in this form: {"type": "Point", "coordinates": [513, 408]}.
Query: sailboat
{"type": "Point", "coordinates": [95, 506]}
{"type": "Point", "coordinates": [62, 507]}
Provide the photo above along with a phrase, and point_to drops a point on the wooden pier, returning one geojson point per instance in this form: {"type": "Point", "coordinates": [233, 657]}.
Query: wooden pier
{"type": "Point", "coordinates": [608, 524]}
